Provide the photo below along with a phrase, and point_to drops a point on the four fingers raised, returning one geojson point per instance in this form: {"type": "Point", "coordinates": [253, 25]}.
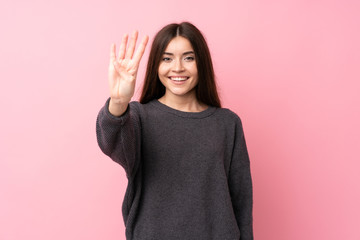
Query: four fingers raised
{"type": "Point", "coordinates": [129, 53]}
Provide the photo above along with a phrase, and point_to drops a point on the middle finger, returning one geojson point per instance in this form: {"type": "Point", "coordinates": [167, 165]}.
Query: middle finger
{"type": "Point", "coordinates": [130, 51]}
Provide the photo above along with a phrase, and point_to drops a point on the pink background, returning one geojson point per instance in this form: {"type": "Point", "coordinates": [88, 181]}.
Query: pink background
{"type": "Point", "coordinates": [290, 69]}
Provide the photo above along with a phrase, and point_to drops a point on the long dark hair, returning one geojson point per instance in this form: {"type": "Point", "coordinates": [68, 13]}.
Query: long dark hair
{"type": "Point", "coordinates": [206, 88]}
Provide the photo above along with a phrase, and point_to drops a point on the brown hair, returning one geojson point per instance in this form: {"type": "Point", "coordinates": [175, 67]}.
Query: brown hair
{"type": "Point", "coordinates": [206, 88]}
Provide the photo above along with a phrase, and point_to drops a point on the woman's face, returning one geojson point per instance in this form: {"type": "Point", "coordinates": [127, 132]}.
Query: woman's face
{"type": "Point", "coordinates": [177, 69]}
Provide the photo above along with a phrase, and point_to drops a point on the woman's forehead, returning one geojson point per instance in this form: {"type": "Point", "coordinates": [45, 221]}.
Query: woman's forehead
{"type": "Point", "coordinates": [179, 45]}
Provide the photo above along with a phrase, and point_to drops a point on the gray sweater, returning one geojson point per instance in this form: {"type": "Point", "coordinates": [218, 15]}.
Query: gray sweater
{"type": "Point", "coordinates": [188, 173]}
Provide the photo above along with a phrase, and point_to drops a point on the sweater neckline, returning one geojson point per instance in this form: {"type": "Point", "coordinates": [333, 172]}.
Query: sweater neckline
{"type": "Point", "coordinates": [207, 112]}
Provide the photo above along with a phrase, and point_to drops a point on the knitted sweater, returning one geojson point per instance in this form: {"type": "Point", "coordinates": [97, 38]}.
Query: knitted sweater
{"type": "Point", "coordinates": [188, 172]}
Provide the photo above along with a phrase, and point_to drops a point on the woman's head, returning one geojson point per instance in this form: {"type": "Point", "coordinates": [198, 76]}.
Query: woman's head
{"type": "Point", "coordinates": [205, 88]}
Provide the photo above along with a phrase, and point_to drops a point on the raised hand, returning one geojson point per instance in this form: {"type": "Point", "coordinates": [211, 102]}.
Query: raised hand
{"type": "Point", "coordinates": [122, 72]}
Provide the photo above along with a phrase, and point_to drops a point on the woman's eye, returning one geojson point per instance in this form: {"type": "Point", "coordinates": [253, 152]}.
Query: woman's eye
{"type": "Point", "coordinates": [166, 59]}
{"type": "Point", "coordinates": [189, 58]}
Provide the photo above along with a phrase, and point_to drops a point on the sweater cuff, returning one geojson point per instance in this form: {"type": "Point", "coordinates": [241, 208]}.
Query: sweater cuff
{"type": "Point", "coordinates": [120, 119]}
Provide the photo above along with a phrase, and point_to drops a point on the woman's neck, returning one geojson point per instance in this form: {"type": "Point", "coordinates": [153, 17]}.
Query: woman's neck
{"type": "Point", "coordinates": [183, 103]}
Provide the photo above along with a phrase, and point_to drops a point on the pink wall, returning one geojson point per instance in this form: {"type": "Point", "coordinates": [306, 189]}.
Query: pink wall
{"type": "Point", "coordinates": [290, 69]}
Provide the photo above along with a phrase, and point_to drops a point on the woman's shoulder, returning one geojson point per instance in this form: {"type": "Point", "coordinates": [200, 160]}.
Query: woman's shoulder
{"type": "Point", "coordinates": [140, 108]}
{"type": "Point", "coordinates": [226, 113]}
{"type": "Point", "coordinates": [136, 105]}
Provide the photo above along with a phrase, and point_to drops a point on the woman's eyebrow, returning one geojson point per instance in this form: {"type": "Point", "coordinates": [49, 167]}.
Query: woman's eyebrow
{"type": "Point", "coordinates": [189, 52]}
{"type": "Point", "coordinates": [185, 53]}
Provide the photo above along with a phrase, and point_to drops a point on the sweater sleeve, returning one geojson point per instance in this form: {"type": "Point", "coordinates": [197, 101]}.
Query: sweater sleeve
{"type": "Point", "coordinates": [240, 184]}
{"type": "Point", "coordinates": [119, 137]}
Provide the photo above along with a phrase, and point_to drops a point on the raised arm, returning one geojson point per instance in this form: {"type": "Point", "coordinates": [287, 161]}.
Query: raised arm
{"type": "Point", "coordinates": [117, 124]}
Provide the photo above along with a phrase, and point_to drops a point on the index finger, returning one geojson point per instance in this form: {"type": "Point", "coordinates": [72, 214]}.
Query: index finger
{"type": "Point", "coordinates": [140, 50]}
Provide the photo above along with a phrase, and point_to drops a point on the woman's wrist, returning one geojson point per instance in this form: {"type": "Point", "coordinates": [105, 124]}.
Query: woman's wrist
{"type": "Point", "coordinates": [117, 108]}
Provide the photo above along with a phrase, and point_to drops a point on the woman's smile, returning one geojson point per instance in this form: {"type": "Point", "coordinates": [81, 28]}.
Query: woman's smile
{"type": "Point", "coordinates": [178, 80]}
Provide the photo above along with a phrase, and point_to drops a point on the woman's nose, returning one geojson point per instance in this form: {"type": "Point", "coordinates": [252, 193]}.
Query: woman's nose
{"type": "Point", "coordinates": [178, 66]}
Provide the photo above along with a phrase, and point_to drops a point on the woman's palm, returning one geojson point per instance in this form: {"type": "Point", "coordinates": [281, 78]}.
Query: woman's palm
{"type": "Point", "coordinates": [123, 68]}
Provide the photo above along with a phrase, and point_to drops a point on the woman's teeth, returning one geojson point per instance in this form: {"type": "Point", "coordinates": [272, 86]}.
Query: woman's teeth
{"type": "Point", "coordinates": [178, 78]}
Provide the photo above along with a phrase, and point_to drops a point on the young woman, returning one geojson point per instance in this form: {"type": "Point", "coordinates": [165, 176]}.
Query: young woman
{"type": "Point", "coordinates": [184, 156]}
